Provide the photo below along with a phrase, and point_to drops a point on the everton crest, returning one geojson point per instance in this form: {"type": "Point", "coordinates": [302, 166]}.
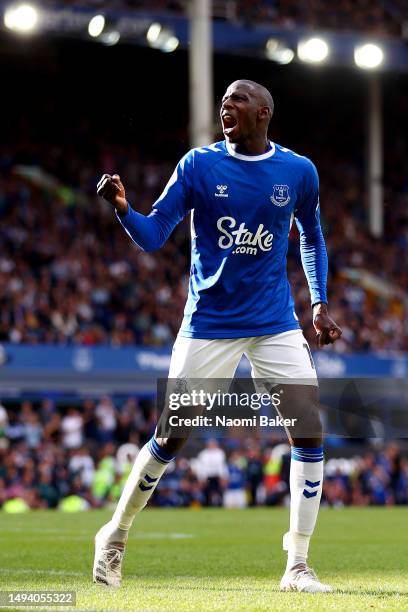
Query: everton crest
{"type": "Point", "coordinates": [280, 196]}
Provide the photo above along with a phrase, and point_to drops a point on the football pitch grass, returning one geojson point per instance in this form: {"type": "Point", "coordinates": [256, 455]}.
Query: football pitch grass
{"type": "Point", "coordinates": [211, 559]}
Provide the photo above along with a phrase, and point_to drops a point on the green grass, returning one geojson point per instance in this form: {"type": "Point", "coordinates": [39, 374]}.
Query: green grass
{"type": "Point", "coordinates": [212, 559]}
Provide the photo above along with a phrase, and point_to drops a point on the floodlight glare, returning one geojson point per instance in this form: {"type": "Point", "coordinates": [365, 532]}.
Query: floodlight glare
{"type": "Point", "coordinates": [110, 38]}
{"type": "Point", "coordinates": [277, 52]}
{"type": "Point", "coordinates": [170, 44]}
{"type": "Point", "coordinates": [368, 56]}
{"type": "Point", "coordinates": [283, 56]}
{"type": "Point", "coordinates": [153, 33]}
{"type": "Point", "coordinates": [272, 44]}
{"type": "Point", "coordinates": [313, 50]}
{"type": "Point", "coordinates": [96, 26]}
{"type": "Point", "coordinates": [162, 38]}
{"type": "Point", "coordinates": [21, 18]}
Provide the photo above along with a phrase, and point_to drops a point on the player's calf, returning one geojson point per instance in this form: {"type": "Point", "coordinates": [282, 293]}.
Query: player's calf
{"type": "Point", "coordinates": [306, 481]}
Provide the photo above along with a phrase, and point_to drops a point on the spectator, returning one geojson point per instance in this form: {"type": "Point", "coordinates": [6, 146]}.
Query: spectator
{"type": "Point", "coordinates": [3, 427]}
{"type": "Point", "coordinates": [235, 493]}
{"type": "Point", "coordinates": [211, 468]}
{"type": "Point", "coordinates": [106, 420]}
{"type": "Point", "coordinates": [254, 474]}
{"type": "Point", "coordinates": [47, 492]}
{"type": "Point", "coordinates": [32, 430]}
{"type": "Point", "coordinates": [82, 464]}
{"type": "Point", "coordinates": [72, 429]}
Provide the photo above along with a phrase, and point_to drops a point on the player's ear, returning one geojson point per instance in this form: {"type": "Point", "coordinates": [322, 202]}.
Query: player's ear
{"type": "Point", "coordinates": [263, 113]}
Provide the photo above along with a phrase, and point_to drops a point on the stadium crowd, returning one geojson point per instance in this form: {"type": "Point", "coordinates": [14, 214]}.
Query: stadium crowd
{"type": "Point", "coordinates": [379, 18]}
{"type": "Point", "coordinates": [50, 453]}
{"type": "Point", "coordinates": [83, 283]}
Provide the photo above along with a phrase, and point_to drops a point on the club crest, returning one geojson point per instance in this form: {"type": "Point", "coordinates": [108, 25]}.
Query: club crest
{"type": "Point", "coordinates": [280, 196]}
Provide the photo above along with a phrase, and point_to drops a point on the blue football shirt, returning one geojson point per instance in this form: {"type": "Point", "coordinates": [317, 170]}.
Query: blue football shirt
{"type": "Point", "coordinates": [242, 209]}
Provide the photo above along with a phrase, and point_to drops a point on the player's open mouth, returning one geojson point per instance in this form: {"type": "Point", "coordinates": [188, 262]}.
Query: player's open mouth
{"type": "Point", "coordinates": [228, 123]}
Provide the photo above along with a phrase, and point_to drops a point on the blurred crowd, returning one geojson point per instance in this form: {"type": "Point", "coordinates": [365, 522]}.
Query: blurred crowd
{"type": "Point", "coordinates": [82, 283]}
{"type": "Point", "coordinates": [378, 18]}
{"type": "Point", "coordinates": [69, 274]}
{"type": "Point", "coordinates": [50, 454]}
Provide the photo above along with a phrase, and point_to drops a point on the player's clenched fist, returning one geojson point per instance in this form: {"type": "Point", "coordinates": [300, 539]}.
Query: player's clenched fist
{"type": "Point", "coordinates": [327, 330]}
{"type": "Point", "coordinates": [110, 188]}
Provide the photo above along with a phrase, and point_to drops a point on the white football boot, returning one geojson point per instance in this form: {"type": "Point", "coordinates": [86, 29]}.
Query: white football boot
{"type": "Point", "coordinates": [108, 559]}
{"type": "Point", "coordinates": [303, 579]}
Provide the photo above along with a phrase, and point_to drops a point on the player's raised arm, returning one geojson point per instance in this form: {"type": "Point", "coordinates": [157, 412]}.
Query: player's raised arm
{"type": "Point", "coordinates": [151, 232]}
{"type": "Point", "coordinates": [314, 257]}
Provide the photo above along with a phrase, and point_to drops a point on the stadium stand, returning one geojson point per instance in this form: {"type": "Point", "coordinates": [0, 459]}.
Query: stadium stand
{"type": "Point", "coordinates": [83, 283]}
{"type": "Point", "coordinates": [50, 451]}
{"type": "Point", "coordinates": [377, 18]}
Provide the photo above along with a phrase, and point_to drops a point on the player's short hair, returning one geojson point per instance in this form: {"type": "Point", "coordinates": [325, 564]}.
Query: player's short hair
{"type": "Point", "coordinates": [262, 92]}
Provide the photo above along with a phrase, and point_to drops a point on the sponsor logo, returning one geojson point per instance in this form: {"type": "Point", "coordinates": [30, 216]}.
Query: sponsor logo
{"type": "Point", "coordinates": [245, 241]}
{"type": "Point", "coordinates": [280, 196]}
{"type": "Point", "coordinates": [220, 193]}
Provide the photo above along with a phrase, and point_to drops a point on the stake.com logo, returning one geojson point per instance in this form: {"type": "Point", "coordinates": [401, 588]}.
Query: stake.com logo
{"type": "Point", "coordinates": [245, 241]}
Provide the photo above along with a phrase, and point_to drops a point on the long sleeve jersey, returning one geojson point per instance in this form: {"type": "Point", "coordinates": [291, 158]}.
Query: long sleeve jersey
{"type": "Point", "coordinates": [242, 208]}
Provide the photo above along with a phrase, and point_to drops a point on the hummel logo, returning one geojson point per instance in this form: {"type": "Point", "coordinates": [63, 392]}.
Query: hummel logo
{"type": "Point", "coordinates": [309, 494]}
{"type": "Point", "coordinates": [221, 189]}
{"type": "Point", "coordinates": [312, 485]}
{"type": "Point", "coordinates": [148, 479]}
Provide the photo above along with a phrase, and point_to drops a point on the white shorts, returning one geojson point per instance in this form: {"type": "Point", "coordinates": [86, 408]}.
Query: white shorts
{"type": "Point", "coordinates": [285, 355]}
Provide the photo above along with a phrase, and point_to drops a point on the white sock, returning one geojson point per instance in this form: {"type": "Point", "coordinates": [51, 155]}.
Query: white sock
{"type": "Point", "coordinates": [147, 470]}
{"type": "Point", "coordinates": [306, 480]}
